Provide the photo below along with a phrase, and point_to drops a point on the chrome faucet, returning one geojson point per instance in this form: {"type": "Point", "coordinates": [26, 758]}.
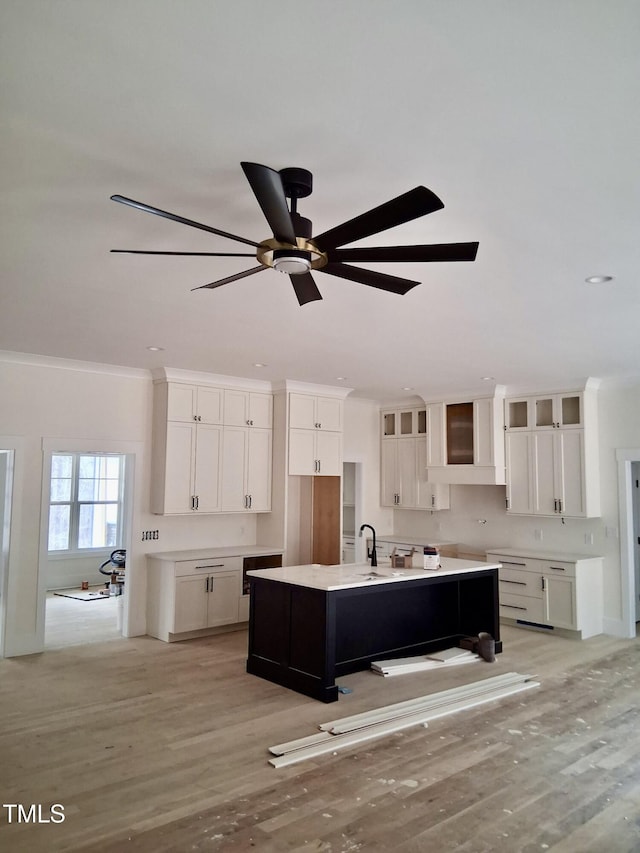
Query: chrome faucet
{"type": "Point", "coordinates": [372, 552]}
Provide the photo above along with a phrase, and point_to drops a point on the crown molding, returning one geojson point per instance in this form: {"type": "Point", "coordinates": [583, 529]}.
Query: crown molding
{"type": "Point", "coordinates": [51, 362]}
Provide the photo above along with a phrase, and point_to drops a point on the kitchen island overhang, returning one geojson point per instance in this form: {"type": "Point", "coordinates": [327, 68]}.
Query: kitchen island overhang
{"type": "Point", "coordinates": [309, 625]}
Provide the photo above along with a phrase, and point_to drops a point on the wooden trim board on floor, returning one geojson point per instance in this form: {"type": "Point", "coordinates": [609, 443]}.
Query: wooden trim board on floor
{"type": "Point", "coordinates": [359, 728]}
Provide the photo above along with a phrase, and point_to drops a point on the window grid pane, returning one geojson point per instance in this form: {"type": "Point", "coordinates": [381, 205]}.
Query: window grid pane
{"type": "Point", "coordinates": [91, 518]}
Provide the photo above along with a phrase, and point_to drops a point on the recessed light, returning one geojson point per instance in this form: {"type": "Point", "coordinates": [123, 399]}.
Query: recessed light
{"type": "Point", "coordinates": [488, 378]}
{"type": "Point", "coordinates": [599, 279]}
{"type": "Point", "coordinates": [341, 378]}
{"type": "Point", "coordinates": [155, 349]}
{"type": "Point", "coordinates": [259, 364]}
{"type": "Point", "coordinates": [407, 388]}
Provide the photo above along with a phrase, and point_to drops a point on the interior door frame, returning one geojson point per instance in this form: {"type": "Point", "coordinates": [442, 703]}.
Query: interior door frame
{"type": "Point", "coordinates": [13, 446]}
{"type": "Point", "coordinates": [625, 459]}
{"type": "Point", "coordinates": [132, 451]}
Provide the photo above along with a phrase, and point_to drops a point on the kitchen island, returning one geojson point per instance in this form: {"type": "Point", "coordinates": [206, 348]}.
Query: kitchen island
{"type": "Point", "coordinates": [309, 625]}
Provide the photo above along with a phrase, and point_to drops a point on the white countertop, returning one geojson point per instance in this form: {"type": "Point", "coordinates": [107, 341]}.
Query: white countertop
{"type": "Point", "coordinates": [542, 555]}
{"type": "Point", "coordinates": [352, 575]}
{"type": "Point", "coordinates": [212, 553]}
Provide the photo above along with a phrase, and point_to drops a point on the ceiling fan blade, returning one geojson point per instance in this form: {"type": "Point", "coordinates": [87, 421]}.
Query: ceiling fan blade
{"type": "Point", "coordinates": [267, 187]}
{"type": "Point", "coordinates": [305, 288]}
{"type": "Point", "coordinates": [373, 279]}
{"type": "Point", "coordinates": [399, 254]}
{"type": "Point", "coordinates": [411, 205]}
{"type": "Point", "coordinates": [191, 254]}
{"type": "Point", "coordinates": [146, 208]}
{"type": "Point", "coordinates": [231, 278]}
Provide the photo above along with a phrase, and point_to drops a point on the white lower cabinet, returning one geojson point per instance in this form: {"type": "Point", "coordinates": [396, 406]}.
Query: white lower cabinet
{"type": "Point", "coordinates": [540, 590]}
{"type": "Point", "coordinates": [205, 602]}
{"type": "Point", "coordinates": [192, 595]}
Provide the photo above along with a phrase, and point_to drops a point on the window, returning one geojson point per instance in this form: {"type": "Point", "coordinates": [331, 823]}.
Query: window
{"type": "Point", "coordinates": [85, 503]}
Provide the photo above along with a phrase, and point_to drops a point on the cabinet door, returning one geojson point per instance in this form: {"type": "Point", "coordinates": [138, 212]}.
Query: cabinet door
{"type": "Point", "coordinates": [302, 411]}
{"type": "Point", "coordinates": [223, 598]}
{"type": "Point", "coordinates": [428, 495]}
{"type": "Point", "coordinates": [179, 468]}
{"type": "Point", "coordinates": [302, 452]}
{"type": "Point", "coordinates": [260, 410]}
{"type": "Point", "coordinates": [209, 405]}
{"type": "Point", "coordinates": [569, 410]}
{"type": "Point", "coordinates": [329, 453]}
{"type": "Point", "coordinates": [570, 489]}
{"type": "Point", "coordinates": [543, 472]}
{"type": "Point", "coordinates": [407, 472]}
{"type": "Point", "coordinates": [559, 602]}
{"type": "Point", "coordinates": [389, 487]}
{"type": "Point", "coordinates": [329, 413]}
{"type": "Point", "coordinates": [435, 435]}
{"type": "Point", "coordinates": [258, 475]}
{"type": "Point", "coordinates": [516, 414]}
{"type": "Point", "coordinates": [207, 467]}
{"type": "Point", "coordinates": [236, 407]}
{"type": "Point", "coordinates": [191, 603]}
{"type": "Point", "coordinates": [483, 432]}
{"type": "Point", "coordinates": [181, 402]}
{"type": "Point", "coordinates": [234, 463]}
{"type": "Point", "coordinates": [519, 481]}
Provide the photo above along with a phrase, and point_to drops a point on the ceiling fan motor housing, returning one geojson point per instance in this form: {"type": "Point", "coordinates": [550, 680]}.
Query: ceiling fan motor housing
{"type": "Point", "coordinates": [291, 261]}
{"type": "Point", "coordinates": [297, 183]}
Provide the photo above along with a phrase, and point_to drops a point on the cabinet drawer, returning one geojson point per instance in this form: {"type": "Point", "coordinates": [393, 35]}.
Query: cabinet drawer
{"type": "Point", "coordinates": [520, 582]}
{"type": "Point", "coordinates": [208, 567]}
{"type": "Point", "coordinates": [558, 568]}
{"type": "Point", "coordinates": [521, 607]}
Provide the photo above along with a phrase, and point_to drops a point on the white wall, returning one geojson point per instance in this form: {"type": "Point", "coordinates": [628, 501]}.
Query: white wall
{"type": "Point", "coordinates": [75, 403]}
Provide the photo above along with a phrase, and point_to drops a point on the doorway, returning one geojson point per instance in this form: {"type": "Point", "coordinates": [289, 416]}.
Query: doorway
{"type": "Point", "coordinates": [629, 508]}
{"type": "Point", "coordinates": [86, 512]}
{"type": "Point", "coordinates": [6, 493]}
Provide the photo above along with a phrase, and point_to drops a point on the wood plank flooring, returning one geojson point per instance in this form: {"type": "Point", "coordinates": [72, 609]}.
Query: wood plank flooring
{"type": "Point", "coordinates": [163, 747]}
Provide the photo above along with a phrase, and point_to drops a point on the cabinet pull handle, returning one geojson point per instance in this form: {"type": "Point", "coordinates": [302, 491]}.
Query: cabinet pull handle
{"type": "Point", "coordinates": [555, 505]}
{"type": "Point", "coordinates": [506, 503]}
{"type": "Point", "coordinates": [210, 584]}
{"type": "Point", "coordinates": [433, 500]}
{"type": "Point", "coordinates": [513, 607]}
{"type": "Point", "coordinates": [517, 583]}
{"type": "Point", "coordinates": [210, 566]}
{"type": "Point", "coordinates": [560, 506]}
{"type": "Point", "coordinates": [509, 563]}
{"type": "Point", "coordinates": [558, 568]}
{"type": "Point", "coordinates": [207, 584]}
{"type": "Point", "coordinates": [250, 500]}
{"type": "Point", "coordinates": [197, 502]}
{"type": "Point", "coordinates": [543, 587]}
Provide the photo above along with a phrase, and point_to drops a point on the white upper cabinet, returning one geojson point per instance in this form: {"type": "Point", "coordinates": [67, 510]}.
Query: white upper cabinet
{"type": "Point", "coordinates": [552, 454]}
{"type": "Point", "coordinates": [201, 461]}
{"type": "Point", "coordinates": [315, 435]}
{"type": "Point", "coordinates": [465, 441]}
{"type": "Point", "coordinates": [307, 411]}
{"type": "Point", "coordinates": [248, 408]}
{"type": "Point", "coordinates": [545, 411]}
{"type": "Point", "coordinates": [404, 423]}
{"type": "Point", "coordinates": [194, 403]}
{"type": "Point", "coordinates": [407, 439]}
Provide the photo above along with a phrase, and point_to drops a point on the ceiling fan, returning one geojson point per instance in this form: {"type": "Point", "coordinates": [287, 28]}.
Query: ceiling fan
{"type": "Point", "coordinates": [294, 251]}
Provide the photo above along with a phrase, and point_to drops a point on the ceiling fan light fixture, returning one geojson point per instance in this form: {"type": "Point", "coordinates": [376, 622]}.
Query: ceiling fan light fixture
{"type": "Point", "coordinates": [291, 261]}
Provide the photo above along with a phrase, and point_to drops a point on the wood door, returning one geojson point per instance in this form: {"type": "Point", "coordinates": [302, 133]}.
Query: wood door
{"type": "Point", "coordinates": [326, 521]}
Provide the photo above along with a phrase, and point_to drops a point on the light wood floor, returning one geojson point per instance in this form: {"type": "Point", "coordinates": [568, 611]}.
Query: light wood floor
{"type": "Point", "coordinates": [158, 747]}
{"type": "Point", "coordinates": [71, 622]}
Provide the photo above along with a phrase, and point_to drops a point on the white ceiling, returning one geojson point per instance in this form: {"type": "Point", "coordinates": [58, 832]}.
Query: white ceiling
{"type": "Point", "coordinates": [522, 115]}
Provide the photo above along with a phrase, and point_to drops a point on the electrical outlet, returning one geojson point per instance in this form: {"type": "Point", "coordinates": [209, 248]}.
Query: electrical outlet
{"type": "Point", "coordinates": [588, 538]}
{"type": "Point", "coordinates": [537, 534]}
{"type": "Point", "coordinates": [150, 534]}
